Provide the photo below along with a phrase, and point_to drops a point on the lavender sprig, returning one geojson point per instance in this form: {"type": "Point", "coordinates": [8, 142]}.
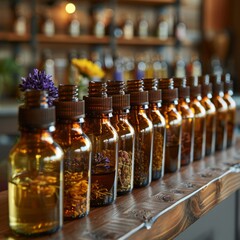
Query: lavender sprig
{"type": "Point", "coordinates": [40, 81]}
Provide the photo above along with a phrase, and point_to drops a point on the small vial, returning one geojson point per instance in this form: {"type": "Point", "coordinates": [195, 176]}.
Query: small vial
{"type": "Point", "coordinates": [187, 120]}
{"type": "Point", "coordinates": [200, 118]}
{"type": "Point", "coordinates": [221, 112]}
{"type": "Point", "coordinates": [173, 125]}
{"type": "Point", "coordinates": [159, 127]}
{"type": "Point", "coordinates": [210, 114]}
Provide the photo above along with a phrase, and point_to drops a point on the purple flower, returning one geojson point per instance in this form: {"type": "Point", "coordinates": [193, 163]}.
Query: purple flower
{"type": "Point", "coordinates": [40, 81]}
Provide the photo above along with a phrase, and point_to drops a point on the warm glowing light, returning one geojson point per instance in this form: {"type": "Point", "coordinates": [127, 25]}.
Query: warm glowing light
{"type": "Point", "coordinates": [70, 8]}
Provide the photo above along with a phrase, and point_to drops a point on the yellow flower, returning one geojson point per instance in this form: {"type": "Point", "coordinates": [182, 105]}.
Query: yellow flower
{"type": "Point", "coordinates": [88, 68]}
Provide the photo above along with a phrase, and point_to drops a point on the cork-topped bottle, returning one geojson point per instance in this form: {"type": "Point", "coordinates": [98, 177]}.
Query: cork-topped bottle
{"type": "Point", "coordinates": [121, 106]}
{"type": "Point", "coordinates": [143, 133]}
{"type": "Point", "coordinates": [199, 116]}
{"type": "Point", "coordinates": [221, 112]}
{"type": "Point", "coordinates": [104, 140]}
{"type": "Point", "coordinates": [173, 125]}
{"type": "Point", "coordinates": [77, 151]}
{"type": "Point", "coordinates": [35, 170]}
{"type": "Point", "coordinates": [206, 89]}
{"type": "Point", "coordinates": [159, 127]}
{"type": "Point", "coordinates": [228, 93]}
{"type": "Point", "coordinates": [187, 120]}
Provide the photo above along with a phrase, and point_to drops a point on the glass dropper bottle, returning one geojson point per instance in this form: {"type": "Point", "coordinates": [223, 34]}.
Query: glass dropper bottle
{"type": "Point", "coordinates": [199, 116]}
{"type": "Point", "coordinates": [210, 114]}
{"type": "Point", "coordinates": [221, 112]}
{"type": "Point", "coordinates": [104, 140]}
{"type": "Point", "coordinates": [77, 151]}
{"type": "Point", "coordinates": [143, 133]}
{"type": "Point", "coordinates": [187, 120]}
{"type": "Point", "coordinates": [35, 182]}
{"type": "Point", "coordinates": [228, 93]}
{"type": "Point", "coordinates": [173, 124]}
{"type": "Point", "coordinates": [126, 134]}
{"type": "Point", "coordinates": [159, 126]}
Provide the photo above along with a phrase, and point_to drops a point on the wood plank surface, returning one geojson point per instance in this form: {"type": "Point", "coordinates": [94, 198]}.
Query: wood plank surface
{"type": "Point", "coordinates": [160, 211]}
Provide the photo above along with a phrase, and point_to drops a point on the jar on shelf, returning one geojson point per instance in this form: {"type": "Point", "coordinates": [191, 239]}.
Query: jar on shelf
{"type": "Point", "coordinates": [221, 112]}
{"type": "Point", "coordinates": [206, 90]}
{"type": "Point", "coordinates": [159, 127]}
{"type": "Point", "coordinates": [143, 133]}
{"type": "Point", "coordinates": [228, 93]}
{"type": "Point", "coordinates": [77, 152]}
{"type": "Point", "coordinates": [199, 116]}
{"type": "Point", "coordinates": [187, 120]}
{"type": "Point", "coordinates": [35, 172]}
{"type": "Point", "coordinates": [173, 125]}
{"type": "Point", "coordinates": [126, 134]}
{"type": "Point", "coordinates": [104, 140]}
{"type": "Point", "coordinates": [74, 27]}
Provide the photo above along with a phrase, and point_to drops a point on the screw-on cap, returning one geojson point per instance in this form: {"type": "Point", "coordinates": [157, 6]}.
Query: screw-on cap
{"type": "Point", "coordinates": [137, 95]}
{"type": "Point", "coordinates": [217, 84]}
{"type": "Point", "coordinates": [68, 106]}
{"type": "Point", "coordinates": [120, 100]}
{"type": "Point", "coordinates": [35, 112]}
{"type": "Point", "coordinates": [228, 83]}
{"type": "Point", "coordinates": [206, 86]}
{"type": "Point", "coordinates": [195, 88]}
{"type": "Point", "coordinates": [154, 94]}
{"type": "Point", "coordinates": [169, 93]}
{"type": "Point", "coordinates": [183, 89]}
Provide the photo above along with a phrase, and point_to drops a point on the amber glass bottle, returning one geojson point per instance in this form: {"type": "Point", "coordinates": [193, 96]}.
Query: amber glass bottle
{"type": "Point", "coordinates": [221, 112]}
{"type": "Point", "coordinates": [159, 127]}
{"type": "Point", "coordinates": [143, 133]}
{"type": "Point", "coordinates": [77, 151]}
{"type": "Point", "coordinates": [121, 106]}
{"type": "Point", "coordinates": [173, 125]}
{"type": "Point", "coordinates": [104, 140]}
{"type": "Point", "coordinates": [207, 103]}
{"type": "Point", "coordinates": [187, 120]}
{"type": "Point", "coordinates": [199, 116]}
{"type": "Point", "coordinates": [228, 92]}
{"type": "Point", "coordinates": [35, 170]}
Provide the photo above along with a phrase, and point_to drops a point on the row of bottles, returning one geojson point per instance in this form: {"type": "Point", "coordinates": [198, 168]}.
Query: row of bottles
{"type": "Point", "coordinates": [131, 134]}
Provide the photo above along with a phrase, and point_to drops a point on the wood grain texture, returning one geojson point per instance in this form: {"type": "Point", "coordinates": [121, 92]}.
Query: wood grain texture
{"type": "Point", "coordinates": [160, 211]}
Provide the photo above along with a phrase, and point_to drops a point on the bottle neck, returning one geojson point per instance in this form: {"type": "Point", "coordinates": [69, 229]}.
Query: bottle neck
{"type": "Point", "coordinates": [36, 134]}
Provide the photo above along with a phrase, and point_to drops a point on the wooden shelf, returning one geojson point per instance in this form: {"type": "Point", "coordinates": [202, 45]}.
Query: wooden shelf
{"type": "Point", "coordinates": [160, 211]}
{"type": "Point", "coordinates": [149, 41]}
{"type": "Point", "coordinates": [13, 37]}
{"type": "Point", "coordinates": [147, 2]}
{"type": "Point", "coordinates": [66, 39]}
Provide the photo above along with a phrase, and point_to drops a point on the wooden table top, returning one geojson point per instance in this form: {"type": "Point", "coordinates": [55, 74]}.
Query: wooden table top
{"type": "Point", "coordinates": [160, 211]}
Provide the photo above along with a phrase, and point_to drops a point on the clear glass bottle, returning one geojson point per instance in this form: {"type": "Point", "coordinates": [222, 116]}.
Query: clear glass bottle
{"type": "Point", "coordinates": [77, 152]}
{"type": "Point", "coordinates": [104, 140]}
{"type": "Point", "coordinates": [126, 134]}
{"type": "Point", "coordinates": [207, 103]}
{"type": "Point", "coordinates": [143, 133]}
{"type": "Point", "coordinates": [228, 92]}
{"type": "Point", "coordinates": [199, 116]}
{"type": "Point", "coordinates": [35, 170]}
{"type": "Point", "coordinates": [173, 125]}
{"type": "Point", "coordinates": [187, 120]}
{"type": "Point", "coordinates": [159, 127]}
{"type": "Point", "coordinates": [221, 112]}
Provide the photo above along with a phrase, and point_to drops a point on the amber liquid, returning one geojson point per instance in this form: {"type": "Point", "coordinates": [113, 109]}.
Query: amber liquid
{"type": "Point", "coordinates": [199, 138]}
{"type": "Point", "coordinates": [221, 131]}
{"type": "Point", "coordinates": [158, 145]}
{"type": "Point", "coordinates": [230, 127]}
{"type": "Point", "coordinates": [210, 134]}
{"type": "Point", "coordinates": [103, 187]}
{"type": "Point", "coordinates": [172, 158]}
{"type": "Point", "coordinates": [34, 204]}
{"type": "Point", "coordinates": [186, 146]}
